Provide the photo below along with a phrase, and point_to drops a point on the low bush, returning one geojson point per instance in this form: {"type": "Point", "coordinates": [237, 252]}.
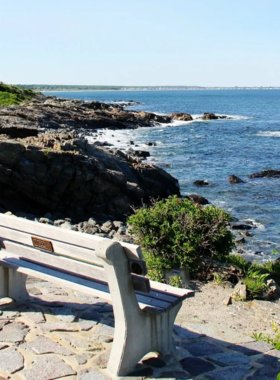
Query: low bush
{"type": "Point", "coordinates": [177, 233]}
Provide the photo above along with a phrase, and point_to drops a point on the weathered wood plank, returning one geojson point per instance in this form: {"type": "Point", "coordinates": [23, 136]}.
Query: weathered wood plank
{"type": "Point", "coordinates": [53, 260]}
{"type": "Point", "coordinates": [61, 235]}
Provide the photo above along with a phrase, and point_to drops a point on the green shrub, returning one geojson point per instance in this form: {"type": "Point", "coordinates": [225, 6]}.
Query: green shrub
{"type": "Point", "coordinates": [177, 233]}
{"type": "Point", "coordinates": [256, 283]}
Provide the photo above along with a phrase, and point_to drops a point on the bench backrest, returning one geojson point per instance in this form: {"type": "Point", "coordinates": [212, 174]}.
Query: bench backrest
{"type": "Point", "coordinates": [58, 248]}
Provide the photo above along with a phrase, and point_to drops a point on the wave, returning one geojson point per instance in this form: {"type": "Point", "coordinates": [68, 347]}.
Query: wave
{"type": "Point", "coordinates": [269, 133]}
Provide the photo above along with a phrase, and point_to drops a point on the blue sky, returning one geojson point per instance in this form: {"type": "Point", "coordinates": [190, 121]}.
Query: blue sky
{"type": "Point", "coordinates": [141, 42]}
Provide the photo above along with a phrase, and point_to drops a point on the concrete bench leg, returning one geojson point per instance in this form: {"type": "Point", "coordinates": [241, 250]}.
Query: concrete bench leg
{"type": "Point", "coordinates": [13, 284]}
{"type": "Point", "coordinates": [136, 332]}
{"type": "Point", "coordinates": [137, 337]}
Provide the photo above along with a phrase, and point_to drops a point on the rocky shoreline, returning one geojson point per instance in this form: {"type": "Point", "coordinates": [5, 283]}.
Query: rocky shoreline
{"type": "Point", "coordinates": [48, 166]}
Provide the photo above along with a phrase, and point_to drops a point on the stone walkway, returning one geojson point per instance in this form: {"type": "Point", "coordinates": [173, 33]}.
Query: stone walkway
{"type": "Point", "coordinates": [61, 334]}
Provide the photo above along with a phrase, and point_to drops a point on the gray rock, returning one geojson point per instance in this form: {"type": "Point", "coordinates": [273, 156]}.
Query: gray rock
{"type": "Point", "coordinates": [91, 374]}
{"type": "Point", "coordinates": [11, 360]}
{"type": "Point", "coordinates": [226, 359]}
{"type": "Point", "coordinates": [239, 292]}
{"type": "Point", "coordinates": [44, 345]}
{"type": "Point", "coordinates": [46, 221]}
{"type": "Point", "coordinates": [14, 332]}
{"type": "Point", "coordinates": [48, 368]}
{"type": "Point", "coordinates": [66, 225]}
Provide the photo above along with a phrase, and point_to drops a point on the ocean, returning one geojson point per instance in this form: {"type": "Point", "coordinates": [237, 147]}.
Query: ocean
{"type": "Point", "coordinates": [214, 150]}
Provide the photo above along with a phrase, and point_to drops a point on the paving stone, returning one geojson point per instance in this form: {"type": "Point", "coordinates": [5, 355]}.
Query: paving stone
{"type": "Point", "coordinates": [10, 314]}
{"type": "Point", "coordinates": [91, 315]}
{"type": "Point", "coordinates": [102, 360]}
{"type": "Point", "coordinates": [108, 320]}
{"type": "Point", "coordinates": [86, 325]}
{"type": "Point", "coordinates": [48, 368]}
{"type": "Point", "coordinates": [274, 353]}
{"type": "Point", "coordinates": [105, 334]}
{"type": "Point", "coordinates": [145, 372]}
{"type": "Point", "coordinates": [34, 291]}
{"type": "Point", "coordinates": [252, 348]}
{"type": "Point", "coordinates": [34, 314]}
{"type": "Point", "coordinates": [264, 373]}
{"type": "Point", "coordinates": [175, 375]}
{"type": "Point", "coordinates": [3, 323]}
{"type": "Point", "coordinates": [65, 314]}
{"type": "Point", "coordinates": [202, 348]}
{"type": "Point", "coordinates": [82, 359]}
{"type": "Point", "coordinates": [58, 326]}
{"type": "Point", "coordinates": [234, 373]}
{"type": "Point", "coordinates": [44, 345]}
{"type": "Point", "coordinates": [105, 308]}
{"type": "Point", "coordinates": [213, 330]}
{"type": "Point", "coordinates": [196, 366]}
{"type": "Point", "coordinates": [270, 361]}
{"type": "Point", "coordinates": [13, 332]}
{"type": "Point", "coordinates": [186, 334]}
{"type": "Point", "coordinates": [11, 360]}
{"type": "Point", "coordinates": [155, 362]}
{"type": "Point", "coordinates": [226, 359]}
{"type": "Point", "coordinates": [85, 344]}
{"type": "Point", "coordinates": [91, 374]}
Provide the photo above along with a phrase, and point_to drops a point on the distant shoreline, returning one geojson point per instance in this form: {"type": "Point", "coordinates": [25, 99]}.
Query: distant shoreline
{"type": "Point", "coordinates": [60, 88]}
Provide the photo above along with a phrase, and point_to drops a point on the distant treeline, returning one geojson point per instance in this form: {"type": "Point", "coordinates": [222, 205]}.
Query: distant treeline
{"type": "Point", "coordinates": [53, 87]}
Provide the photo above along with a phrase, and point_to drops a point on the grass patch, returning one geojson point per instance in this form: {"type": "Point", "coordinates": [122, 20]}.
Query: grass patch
{"type": "Point", "coordinates": [13, 95]}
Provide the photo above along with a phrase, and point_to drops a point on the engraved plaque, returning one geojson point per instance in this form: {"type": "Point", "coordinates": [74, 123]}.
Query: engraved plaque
{"type": "Point", "coordinates": [46, 245]}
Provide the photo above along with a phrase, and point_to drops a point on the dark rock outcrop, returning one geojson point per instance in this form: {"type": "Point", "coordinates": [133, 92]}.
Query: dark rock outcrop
{"type": "Point", "coordinates": [181, 116]}
{"type": "Point", "coordinates": [266, 174]}
{"type": "Point", "coordinates": [65, 174]}
{"type": "Point", "coordinates": [200, 183]}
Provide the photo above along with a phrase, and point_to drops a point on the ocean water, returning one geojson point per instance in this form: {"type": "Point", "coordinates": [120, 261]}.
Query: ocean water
{"type": "Point", "coordinates": [213, 150]}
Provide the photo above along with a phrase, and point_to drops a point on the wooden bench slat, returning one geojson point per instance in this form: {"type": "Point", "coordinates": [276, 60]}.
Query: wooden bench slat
{"type": "Point", "coordinates": [69, 250]}
{"type": "Point", "coordinates": [76, 283]}
{"type": "Point", "coordinates": [183, 293]}
{"type": "Point", "coordinates": [53, 260]}
{"type": "Point", "coordinates": [69, 237]}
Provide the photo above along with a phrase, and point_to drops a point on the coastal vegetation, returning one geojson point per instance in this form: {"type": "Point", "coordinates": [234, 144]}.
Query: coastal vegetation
{"type": "Point", "coordinates": [13, 95]}
{"type": "Point", "coordinates": [176, 233]}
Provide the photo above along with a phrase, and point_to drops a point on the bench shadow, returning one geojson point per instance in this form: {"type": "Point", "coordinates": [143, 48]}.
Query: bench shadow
{"type": "Point", "coordinates": [196, 355]}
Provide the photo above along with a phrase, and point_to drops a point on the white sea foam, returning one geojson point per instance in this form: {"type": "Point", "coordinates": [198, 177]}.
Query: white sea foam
{"type": "Point", "coordinates": [260, 226]}
{"type": "Point", "coordinates": [269, 133]}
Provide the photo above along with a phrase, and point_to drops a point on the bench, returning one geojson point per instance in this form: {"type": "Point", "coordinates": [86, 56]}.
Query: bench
{"type": "Point", "coordinates": [144, 310]}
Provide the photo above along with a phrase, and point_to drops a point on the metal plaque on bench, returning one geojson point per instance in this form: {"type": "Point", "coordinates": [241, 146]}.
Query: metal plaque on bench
{"type": "Point", "coordinates": [46, 245]}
